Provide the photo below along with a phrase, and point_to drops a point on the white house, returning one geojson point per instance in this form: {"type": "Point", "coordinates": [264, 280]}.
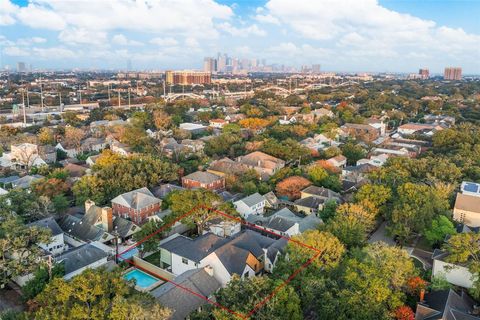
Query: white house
{"type": "Point", "coordinates": [22, 156]}
{"type": "Point", "coordinates": [57, 242]}
{"type": "Point", "coordinates": [455, 274]}
{"type": "Point", "coordinates": [339, 161]}
{"type": "Point", "coordinates": [253, 204]}
{"type": "Point", "coordinates": [246, 254]}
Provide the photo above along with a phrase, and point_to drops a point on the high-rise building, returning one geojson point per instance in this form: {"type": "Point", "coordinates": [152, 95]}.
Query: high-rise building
{"type": "Point", "coordinates": [424, 73]}
{"type": "Point", "coordinates": [315, 68]}
{"type": "Point", "coordinates": [21, 67]}
{"type": "Point", "coordinates": [222, 62]}
{"type": "Point", "coordinates": [452, 73]}
{"type": "Point", "coordinates": [210, 65]}
{"type": "Point", "coordinates": [188, 77]}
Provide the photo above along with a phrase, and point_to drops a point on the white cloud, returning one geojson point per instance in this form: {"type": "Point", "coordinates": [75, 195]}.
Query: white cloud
{"type": "Point", "coordinates": [7, 11]}
{"type": "Point", "coordinates": [75, 36]}
{"type": "Point", "coordinates": [252, 30]}
{"type": "Point", "coordinates": [29, 41]}
{"type": "Point", "coordinates": [57, 52]}
{"type": "Point", "coordinates": [14, 51]}
{"type": "Point", "coordinates": [37, 16]}
{"type": "Point", "coordinates": [121, 40]}
{"type": "Point", "coordinates": [164, 41]}
{"type": "Point", "coordinates": [267, 18]}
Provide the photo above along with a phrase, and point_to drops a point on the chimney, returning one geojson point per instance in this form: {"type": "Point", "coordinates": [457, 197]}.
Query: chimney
{"type": "Point", "coordinates": [88, 204]}
{"type": "Point", "coordinates": [107, 219]}
{"type": "Point", "coordinates": [134, 199]}
{"type": "Point", "coordinates": [422, 295]}
{"type": "Point", "coordinates": [208, 269]}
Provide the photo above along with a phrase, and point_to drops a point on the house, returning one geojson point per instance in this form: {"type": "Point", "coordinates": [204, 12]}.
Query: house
{"type": "Point", "coordinates": [75, 171]}
{"type": "Point", "coordinates": [93, 145]}
{"type": "Point", "coordinates": [246, 254]}
{"type": "Point", "coordinates": [357, 173]}
{"type": "Point", "coordinates": [223, 227]}
{"type": "Point", "coordinates": [22, 156]}
{"type": "Point", "coordinates": [194, 146]}
{"type": "Point", "coordinates": [447, 305]}
{"type": "Point", "coordinates": [253, 204]}
{"type": "Point", "coordinates": [71, 152]}
{"type": "Point", "coordinates": [377, 161]}
{"type": "Point", "coordinates": [3, 192]}
{"type": "Point", "coordinates": [86, 256]}
{"type": "Point", "coordinates": [364, 132]}
{"type": "Point", "coordinates": [271, 200]}
{"type": "Point", "coordinates": [217, 123]}
{"type": "Point", "coordinates": [203, 179]}
{"type": "Point", "coordinates": [323, 112]}
{"type": "Point", "coordinates": [48, 153]}
{"type": "Point", "coordinates": [286, 223]}
{"type": "Point", "coordinates": [120, 148]}
{"type": "Point", "coordinates": [136, 205]}
{"type": "Point", "coordinates": [265, 165]}
{"type": "Point", "coordinates": [92, 160]}
{"type": "Point", "coordinates": [57, 243]}
{"type": "Point", "coordinates": [457, 275]}
{"type": "Point", "coordinates": [193, 128]}
{"type": "Point", "coordinates": [227, 166]}
{"type": "Point", "coordinates": [26, 181]}
{"type": "Point", "coordinates": [318, 142]}
{"type": "Point", "coordinates": [171, 147]}
{"type": "Point", "coordinates": [312, 199]}
{"type": "Point", "coordinates": [339, 161]}
{"type": "Point", "coordinates": [418, 128]}
{"type": "Point", "coordinates": [467, 204]}
{"type": "Point", "coordinates": [163, 190]}
{"type": "Point", "coordinates": [200, 281]}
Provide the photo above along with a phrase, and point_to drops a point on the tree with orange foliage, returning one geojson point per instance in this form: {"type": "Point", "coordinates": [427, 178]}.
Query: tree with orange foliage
{"type": "Point", "coordinates": [49, 187]}
{"type": "Point", "coordinates": [404, 313]}
{"type": "Point", "coordinates": [291, 187]}
{"type": "Point", "coordinates": [415, 285]}
{"type": "Point", "coordinates": [327, 166]}
{"type": "Point", "coordinates": [254, 123]}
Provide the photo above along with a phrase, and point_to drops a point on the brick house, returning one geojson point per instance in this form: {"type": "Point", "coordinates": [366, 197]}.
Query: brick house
{"type": "Point", "coordinates": [202, 179]}
{"type": "Point", "coordinates": [137, 205]}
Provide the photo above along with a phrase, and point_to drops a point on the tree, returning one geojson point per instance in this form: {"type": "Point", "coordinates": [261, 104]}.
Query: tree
{"type": "Point", "coordinates": [161, 119]}
{"type": "Point", "coordinates": [242, 295]}
{"type": "Point", "coordinates": [317, 174]}
{"type": "Point", "coordinates": [49, 187]}
{"type": "Point", "coordinates": [74, 136]}
{"type": "Point", "coordinates": [95, 294]}
{"type": "Point", "coordinates": [19, 252]}
{"type": "Point", "coordinates": [198, 205]}
{"type": "Point", "coordinates": [464, 248]}
{"type": "Point", "coordinates": [255, 124]}
{"type": "Point", "coordinates": [353, 152]}
{"type": "Point", "coordinates": [291, 186]}
{"type": "Point", "coordinates": [40, 279]}
{"type": "Point", "coordinates": [45, 136]}
{"type": "Point", "coordinates": [378, 195]}
{"type": "Point", "coordinates": [351, 224]}
{"type": "Point", "coordinates": [439, 228]}
{"type": "Point", "coordinates": [60, 203]}
{"type": "Point", "coordinates": [404, 313]}
{"type": "Point", "coordinates": [151, 243]}
{"type": "Point", "coordinates": [328, 211]}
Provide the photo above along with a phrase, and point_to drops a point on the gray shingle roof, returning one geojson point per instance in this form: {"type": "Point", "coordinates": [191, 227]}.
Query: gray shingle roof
{"type": "Point", "coordinates": [48, 223]}
{"type": "Point", "coordinates": [80, 257]}
{"type": "Point", "coordinates": [136, 199]}
{"type": "Point", "coordinates": [203, 177]}
{"type": "Point", "coordinates": [181, 302]}
{"type": "Point", "coordinates": [310, 202]}
{"type": "Point", "coordinates": [194, 249]}
{"type": "Point", "coordinates": [446, 305]}
{"type": "Point", "coordinates": [321, 192]}
{"type": "Point", "coordinates": [253, 199]}
{"type": "Point", "coordinates": [80, 229]}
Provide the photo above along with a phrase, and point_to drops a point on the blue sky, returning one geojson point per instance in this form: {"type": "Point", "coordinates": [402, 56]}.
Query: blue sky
{"type": "Point", "coordinates": [341, 35]}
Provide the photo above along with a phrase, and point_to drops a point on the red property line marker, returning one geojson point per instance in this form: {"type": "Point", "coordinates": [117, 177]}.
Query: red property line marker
{"type": "Point", "coordinates": [259, 304]}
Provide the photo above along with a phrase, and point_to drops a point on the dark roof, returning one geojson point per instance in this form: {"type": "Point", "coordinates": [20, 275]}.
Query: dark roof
{"type": "Point", "coordinates": [79, 229]}
{"type": "Point", "coordinates": [48, 223]}
{"type": "Point", "coordinates": [310, 202]}
{"type": "Point", "coordinates": [363, 168]}
{"type": "Point", "coordinates": [194, 249]}
{"type": "Point", "coordinates": [280, 224]}
{"type": "Point", "coordinates": [136, 199]}
{"type": "Point", "coordinates": [163, 190]}
{"type": "Point", "coordinates": [80, 257]}
{"type": "Point", "coordinates": [321, 192]}
{"type": "Point", "coordinates": [446, 305]}
{"type": "Point", "coordinates": [253, 199]}
{"type": "Point", "coordinates": [9, 179]}
{"type": "Point", "coordinates": [182, 303]}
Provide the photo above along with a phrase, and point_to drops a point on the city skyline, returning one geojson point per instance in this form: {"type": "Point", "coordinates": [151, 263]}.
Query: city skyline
{"type": "Point", "coordinates": [344, 36]}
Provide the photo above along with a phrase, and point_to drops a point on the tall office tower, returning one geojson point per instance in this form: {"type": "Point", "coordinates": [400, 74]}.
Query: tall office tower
{"type": "Point", "coordinates": [424, 73]}
{"type": "Point", "coordinates": [452, 73]}
{"type": "Point", "coordinates": [222, 62]}
{"type": "Point", "coordinates": [315, 68]}
{"type": "Point", "coordinates": [210, 64]}
{"type": "Point", "coordinates": [21, 67]}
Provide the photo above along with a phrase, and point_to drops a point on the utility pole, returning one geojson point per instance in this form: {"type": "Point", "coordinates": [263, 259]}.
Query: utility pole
{"type": "Point", "coordinates": [164, 91]}
{"type": "Point", "coordinates": [24, 113]}
{"type": "Point", "coordinates": [129, 98]}
{"type": "Point", "coordinates": [109, 102]}
{"type": "Point", "coordinates": [60, 102]}
{"type": "Point", "coordinates": [28, 100]}
{"type": "Point", "coordinates": [41, 94]}
{"type": "Point", "coordinates": [119, 105]}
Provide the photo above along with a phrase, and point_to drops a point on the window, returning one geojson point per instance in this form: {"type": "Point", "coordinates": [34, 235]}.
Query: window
{"type": "Point", "coordinates": [185, 261]}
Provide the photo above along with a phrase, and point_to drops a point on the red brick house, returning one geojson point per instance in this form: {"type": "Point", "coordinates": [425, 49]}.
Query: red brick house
{"type": "Point", "coordinates": [137, 205]}
{"type": "Point", "coordinates": [202, 179]}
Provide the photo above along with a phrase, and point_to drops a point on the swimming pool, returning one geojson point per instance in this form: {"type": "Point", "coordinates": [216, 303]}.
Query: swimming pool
{"type": "Point", "coordinates": [143, 280]}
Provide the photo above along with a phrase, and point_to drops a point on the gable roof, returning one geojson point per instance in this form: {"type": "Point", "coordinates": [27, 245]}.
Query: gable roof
{"type": "Point", "coordinates": [321, 192]}
{"type": "Point", "coordinates": [194, 249]}
{"type": "Point", "coordinates": [260, 159]}
{"type": "Point", "coordinates": [48, 223]}
{"type": "Point", "coordinates": [252, 199]}
{"type": "Point", "coordinates": [446, 305]}
{"type": "Point", "coordinates": [180, 302]}
{"type": "Point", "coordinates": [79, 229]}
{"type": "Point", "coordinates": [136, 199]}
{"type": "Point", "coordinates": [80, 257]}
{"type": "Point", "coordinates": [467, 203]}
{"type": "Point", "coordinates": [203, 177]}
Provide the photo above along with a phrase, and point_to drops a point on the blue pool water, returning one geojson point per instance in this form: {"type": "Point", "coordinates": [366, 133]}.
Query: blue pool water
{"type": "Point", "coordinates": [144, 280]}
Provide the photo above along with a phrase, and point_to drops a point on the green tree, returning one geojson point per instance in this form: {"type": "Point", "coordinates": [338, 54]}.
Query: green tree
{"type": "Point", "coordinates": [378, 195]}
{"type": "Point", "coordinates": [19, 252]}
{"type": "Point", "coordinates": [329, 210]}
{"type": "Point", "coordinates": [439, 228]}
{"type": "Point", "coordinates": [463, 248]}
{"type": "Point", "coordinates": [353, 152]}
{"type": "Point", "coordinates": [152, 242]}
{"type": "Point", "coordinates": [97, 295]}
{"type": "Point", "coordinates": [40, 279]}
